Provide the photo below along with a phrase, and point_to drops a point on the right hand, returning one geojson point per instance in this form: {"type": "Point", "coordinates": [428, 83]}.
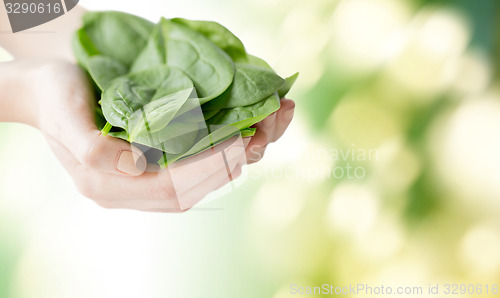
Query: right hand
{"type": "Point", "coordinates": [108, 170]}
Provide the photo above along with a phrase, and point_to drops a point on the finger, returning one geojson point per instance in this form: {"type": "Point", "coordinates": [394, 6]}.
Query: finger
{"type": "Point", "coordinates": [88, 181]}
{"type": "Point", "coordinates": [65, 157]}
{"type": "Point", "coordinates": [246, 141]}
{"type": "Point", "coordinates": [103, 153]}
{"type": "Point", "coordinates": [256, 148]}
{"type": "Point", "coordinates": [283, 118]}
{"type": "Point", "coordinates": [190, 173]}
{"type": "Point", "coordinates": [207, 153]}
{"type": "Point", "coordinates": [144, 192]}
{"type": "Point", "coordinates": [108, 154]}
{"type": "Point", "coordinates": [267, 126]}
{"type": "Point", "coordinates": [266, 133]}
{"type": "Point", "coordinates": [82, 138]}
{"type": "Point", "coordinates": [150, 191]}
{"type": "Point", "coordinates": [121, 192]}
{"type": "Point", "coordinates": [214, 182]}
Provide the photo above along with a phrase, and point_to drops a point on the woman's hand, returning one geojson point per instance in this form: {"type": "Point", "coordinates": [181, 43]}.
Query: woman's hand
{"type": "Point", "coordinates": [270, 130]}
{"type": "Point", "coordinates": [56, 97]}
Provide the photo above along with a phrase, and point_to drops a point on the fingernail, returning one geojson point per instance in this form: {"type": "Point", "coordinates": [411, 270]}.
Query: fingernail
{"type": "Point", "coordinates": [131, 163]}
{"type": "Point", "coordinates": [288, 115]}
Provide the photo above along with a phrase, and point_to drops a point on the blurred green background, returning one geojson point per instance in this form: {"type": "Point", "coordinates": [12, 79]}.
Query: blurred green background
{"type": "Point", "coordinates": [389, 174]}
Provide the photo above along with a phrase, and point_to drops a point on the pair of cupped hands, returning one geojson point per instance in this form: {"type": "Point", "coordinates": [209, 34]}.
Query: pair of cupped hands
{"type": "Point", "coordinates": [114, 173]}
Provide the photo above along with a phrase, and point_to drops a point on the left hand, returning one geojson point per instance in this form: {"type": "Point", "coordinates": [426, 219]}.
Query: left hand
{"type": "Point", "coordinates": [270, 130]}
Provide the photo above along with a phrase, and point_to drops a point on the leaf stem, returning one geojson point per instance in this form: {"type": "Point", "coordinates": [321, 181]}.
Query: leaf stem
{"type": "Point", "coordinates": [106, 129]}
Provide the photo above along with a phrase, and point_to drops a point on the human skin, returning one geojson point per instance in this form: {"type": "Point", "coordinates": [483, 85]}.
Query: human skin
{"type": "Point", "coordinates": [43, 88]}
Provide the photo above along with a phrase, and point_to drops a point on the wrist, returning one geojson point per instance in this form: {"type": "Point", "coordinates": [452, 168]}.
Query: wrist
{"type": "Point", "coordinates": [19, 99]}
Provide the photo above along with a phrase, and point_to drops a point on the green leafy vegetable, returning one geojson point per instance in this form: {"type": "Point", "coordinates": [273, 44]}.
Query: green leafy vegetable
{"type": "Point", "coordinates": [253, 60]}
{"type": "Point", "coordinates": [220, 36]}
{"type": "Point", "coordinates": [154, 53]}
{"type": "Point", "coordinates": [246, 116]}
{"type": "Point", "coordinates": [287, 85]}
{"type": "Point", "coordinates": [83, 47]}
{"type": "Point", "coordinates": [103, 70]}
{"type": "Point", "coordinates": [147, 90]}
{"type": "Point", "coordinates": [210, 68]}
{"type": "Point", "coordinates": [179, 86]}
{"type": "Point", "coordinates": [117, 35]}
{"type": "Point", "coordinates": [251, 84]}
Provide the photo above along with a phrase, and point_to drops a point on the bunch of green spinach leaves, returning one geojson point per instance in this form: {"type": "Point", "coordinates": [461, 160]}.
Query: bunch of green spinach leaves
{"type": "Point", "coordinates": [179, 86]}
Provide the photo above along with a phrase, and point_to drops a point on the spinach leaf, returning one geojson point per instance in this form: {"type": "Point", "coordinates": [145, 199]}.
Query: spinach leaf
{"type": "Point", "coordinates": [153, 53]}
{"type": "Point", "coordinates": [128, 94]}
{"type": "Point", "coordinates": [287, 85]}
{"type": "Point", "coordinates": [179, 86]}
{"type": "Point", "coordinates": [220, 36]}
{"type": "Point", "coordinates": [119, 134]}
{"type": "Point", "coordinates": [209, 113]}
{"type": "Point", "coordinates": [246, 116]}
{"type": "Point", "coordinates": [226, 124]}
{"type": "Point", "coordinates": [83, 47]}
{"type": "Point", "coordinates": [254, 60]}
{"type": "Point", "coordinates": [173, 145]}
{"type": "Point", "coordinates": [164, 79]}
{"type": "Point", "coordinates": [116, 34]}
{"type": "Point", "coordinates": [210, 68]}
{"type": "Point", "coordinates": [157, 114]}
{"type": "Point", "coordinates": [251, 84]}
{"type": "Point", "coordinates": [205, 140]}
{"type": "Point", "coordinates": [103, 70]}
{"type": "Point", "coordinates": [176, 137]}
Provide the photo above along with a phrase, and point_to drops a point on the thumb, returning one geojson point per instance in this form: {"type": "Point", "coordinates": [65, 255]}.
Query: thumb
{"type": "Point", "coordinates": [74, 127]}
{"type": "Point", "coordinates": [107, 154]}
